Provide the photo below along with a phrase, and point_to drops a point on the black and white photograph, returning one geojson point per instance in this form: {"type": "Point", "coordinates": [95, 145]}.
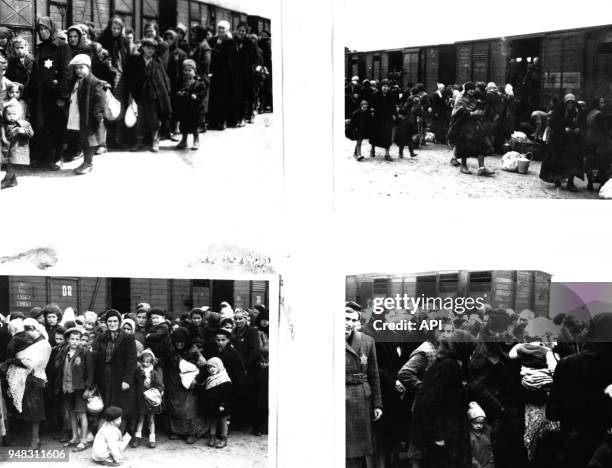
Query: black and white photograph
{"type": "Point", "coordinates": [134, 93]}
{"type": "Point", "coordinates": [480, 368]}
{"type": "Point", "coordinates": [136, 371]}
{"type": "Point", "coordinates": [474, 101]}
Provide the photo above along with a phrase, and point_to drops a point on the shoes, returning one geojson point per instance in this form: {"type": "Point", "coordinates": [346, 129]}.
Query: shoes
{"type": "Point", "coordinates": [138, 147]}
{"type": "Point", "coordinates": [101, 150]}
{"type": "Point", "coordinates": [413, 155]}
{"type": "Point", "coordinates": [485, 171]}
{"type": "Point", "coordinates": [388, 158]}
{"type": "Point", "coordinates": [401, 155]}
{"type": "Point", "coordinates": [196, 145]}
{"type": "Point", "coordinates": [465, 170]}
{"type": "Point", "coordinates": [151, 444]}
{"type": "Point", "coordinates": [136, 442]}
{"type": "Point", "coordinates": [174, 137]}
{"type": "Point", "coordinates": [191, 439]}
{"type": "Point", "coordinates": [212, 441]}
{"type": "Point", "coordinates": [34, 445]}
{"type": "Point", "coordinates": [8, 182]}
{"type": "Point", "coordinates": [79, 447]}
{"type": "Point", "coordinates": [221, 442]}
{"type": "Point", "coordinates": [84, 168]}
{"type": "Point", "coordinates": [155, 146]}
{"type": "Point", "coordinates": [56, 166]}
{"type": "Point", "coordinates": [71, 443]}
{"type": "Point", "coordinates": [182, 145]}
{"type": "Point", "coordinates": [454, 162]}
{"type": "Point", "coordinates": [372, 154]}
{"type": "Point", "coordinates": [64, 438]}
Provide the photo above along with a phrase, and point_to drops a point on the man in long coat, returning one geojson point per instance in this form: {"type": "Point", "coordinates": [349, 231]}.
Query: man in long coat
{"type": "Point", "coordinates": [363, 395]}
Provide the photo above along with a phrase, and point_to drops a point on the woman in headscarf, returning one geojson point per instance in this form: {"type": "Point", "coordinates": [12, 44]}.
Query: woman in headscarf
{"type": "Point", "coordinates": [182, 366]}
{"type": "Point", "coordinates": [598, 142]}
{"type": "Point", "coordinates": [28, 355]}
{"type": "Point", "coordinates": [466, 130]}
{"type": "Point", "coordinates": [440, 423]}
{"type": "Point", "coordinates": [129, 326]}
{"type": "Point", "coordinates": [118, 48]}
{"type": "Point", "coordinates": [581, 396]}
{"type": "Point", "coordinates": [6, 35]}
{"type": "Point", "coordinates": [384, 105]}
{"type": "Point", "coordinates": [201, 54]}
{"type": "Point", "coordinates": [222, 82]}
{"type": "Point", "coordinates": [564, 158]}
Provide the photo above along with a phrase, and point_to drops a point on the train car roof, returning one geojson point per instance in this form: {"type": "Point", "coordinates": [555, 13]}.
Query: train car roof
{"type": "Point", "coordinates": [228, 5]}
{"type": "Point", "coordinates": [510, 37]}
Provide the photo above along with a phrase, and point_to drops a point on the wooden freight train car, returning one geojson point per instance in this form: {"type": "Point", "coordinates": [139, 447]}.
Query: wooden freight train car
{"type": "Point", "coordinates": [21, 293]}
{"type": "Point", "coordinates": [577, 60]}
{"type": "Point", "coordinates": [515, 289]}
{"type": "Point", "coordinates": [20, 15]}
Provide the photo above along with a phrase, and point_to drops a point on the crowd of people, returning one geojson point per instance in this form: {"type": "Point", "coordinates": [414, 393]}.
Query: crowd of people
{"type": "Point", "coordinates": [479, 119]}
{"type": "Point", "coordinates": [84, 92]}
{"type": "Point", "coordinates": [91, 379]}
{"type": "Point", "coordinates": [489, 388]}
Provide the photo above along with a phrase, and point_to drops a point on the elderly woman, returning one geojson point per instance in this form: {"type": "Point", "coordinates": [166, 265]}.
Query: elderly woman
{"type": "Point", "coordinates": [184, 358]}
{"type": "Point", "coordinates": [27, 357]}
{"type": "Point", "coordinates": [222, 82]}
{"type": "Point", "coordinates": [564, 158]}
{"type": "Point", "coordinates": [466, 130]}
{"type": "Point", "coordinates": [115, 364]}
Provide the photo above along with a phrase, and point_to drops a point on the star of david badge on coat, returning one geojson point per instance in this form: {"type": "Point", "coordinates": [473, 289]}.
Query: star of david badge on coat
{"type": "Point", "coordinates": [364, 359]}
{"type": "Point", "coordinates": [49, 63]}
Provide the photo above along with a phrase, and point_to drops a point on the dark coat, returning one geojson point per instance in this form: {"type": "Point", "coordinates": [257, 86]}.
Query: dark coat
{"type": "Point", "coordinates": [188, 110]}
{"type": "Point", "coordinates": [157, 381]}
{"type": "Point", "coordinates": [157, 339]}
{"type": "Point", "coordinates": [246, 341]}
{"type": "Point", "coordinates": [578, 402]}
{"type": "Point", "coordinates": [244, 62]}
{"type": "Point", "coordinates": [120, 368]}
{"type": "Point", "coordinates": [232, 361]}
{"type": "Point", "coordinates": [363, 394]}
{"type": "Point", "coordinates": [19, 72]}
{"type": "Point", "coordinates": [175, 68]}
{"type": "Point", "coordinates": [385, 111]}
{"type": "Point", "coordinates": [360, 125]}
{"type": "Point", "coordinates": [440, 413]}
{"type": "Point", "coordinates": [82, 364]}
{"type": "Point", "coordinates": [222, 81]}
{"type": "Point", "coordinates": [92, 102]}
{"type": "Point", "coordinates": [216, 397]}
{"type": "Point", "coordinates": [407, 125]}
{"type": "Point", "coordinates": [151, 85]}
{"type": "Point", "coordinates": [564, 158]}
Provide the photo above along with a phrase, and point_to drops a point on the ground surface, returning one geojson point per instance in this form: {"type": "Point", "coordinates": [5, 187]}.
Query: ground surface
{"type": "Point", "coordinates": [243, 450]}
{"type": "Point", "coordinates": [226, 193]}
{"type": "Point", "coordinates": [430, 175]}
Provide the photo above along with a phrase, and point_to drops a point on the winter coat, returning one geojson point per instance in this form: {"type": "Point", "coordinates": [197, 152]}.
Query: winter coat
{"type": "Point", "coordinates": [440, 413]}
{"type": "Point", "coordinates": [360, 125]}
{"type": "Point", "coordinates": [564, 158]}
{"type": "Point", "coordinates": [121, 368]}
{"type": "Point", "coordinates": [92, 102]}
{"type": "Point", "coordinates": [19, 72]}
{"type": "Point", "coordinates": [246, 341]}
{"type": "Point", "coordinates": [53, 73]}
{"type": "Point", "coordinates": [187, 109]}
{"type": "Point", "coordinates": [151, 84]}
{"type": "Point", "coordinates": [222, 81]}
{"type": "Point", "coordinates": [385, 111]}
{"type": "Point", "coordinates": [82, 364]}
{"type": "Point", "coordinates": [363, 394]}
{"type": "Point", "coordinates": [157, 339]}
{"type": "Point", "coordinates": [18, 151]}
{"type": "Point", "coordinates": [175, 68]}
{"type": "Point", "coordinates": [216, 397]}
{"type": "Point", "coordinates": [157, 381]}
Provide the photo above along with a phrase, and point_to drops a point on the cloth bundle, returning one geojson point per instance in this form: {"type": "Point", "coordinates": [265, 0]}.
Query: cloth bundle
{"type": "Point", "coordinates": [536, 379]}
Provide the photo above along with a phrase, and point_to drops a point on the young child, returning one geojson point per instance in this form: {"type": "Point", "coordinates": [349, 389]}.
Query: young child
{"type": "Point", "coordinates": [15, 91]}
{"type": "Point", "coordinates": [217, 402]}
{"type": "Point", "coordinates": [74, 382]}
{"type": "Point", "coordinates": [158, 335]}
{"type": "Point", "coordinates": [21, 66]}
{"type": "Point", "coordinates": [359, 127]}
{"type": "Point", "coordinates": [108, 444]}
{"type": "Point", "coordinates": [480, 438]}
{"type": "Point", "coordinates": [148, 376]}
{"type": "Point", "coordinates": [15, 135]}
{"type": "Point", "coordinates": [189, 100]}
{"type": "Point", "coordinates": [86, 111]}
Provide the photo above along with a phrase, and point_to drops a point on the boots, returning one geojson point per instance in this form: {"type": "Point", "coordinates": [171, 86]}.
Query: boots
{"type": "Point", "coordinates": [87, 165]}
{"type": "Point", "coordinates": [221, 442]}
{"type": "Point", "coordinates": [183, 143]}
{"type": "Point", "coordinates": [8, 181]}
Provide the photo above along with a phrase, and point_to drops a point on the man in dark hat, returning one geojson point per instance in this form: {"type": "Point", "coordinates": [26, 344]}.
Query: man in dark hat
{"type": "Point", "coordinates": [52, 92]}
{"type": "Point", "coordinates": [361, 373]}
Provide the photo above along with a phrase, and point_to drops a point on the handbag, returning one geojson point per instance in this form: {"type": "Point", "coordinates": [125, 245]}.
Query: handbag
{"type": "Point", "coordinates": [95, 404]}
{"type": "Point", "coordinates": [131, 114]}
{"type": "Point", "coordinates": [112, 109]}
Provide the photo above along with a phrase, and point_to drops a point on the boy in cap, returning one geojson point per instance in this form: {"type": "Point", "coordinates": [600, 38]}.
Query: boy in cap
{"type": "Point", "coordinates": [86, 111]}
{"type": "Point", "coordinates": [108, 444]}
{"type": "Point", "coordinates": [189, 100]}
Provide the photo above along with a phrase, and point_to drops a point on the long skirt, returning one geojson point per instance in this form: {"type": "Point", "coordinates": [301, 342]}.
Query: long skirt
{"type": "Point", "coordinates": [382, 132]}
{"type": "Point", "coordinates": [563, 160]}
{"type": "Point", "coordinates": [182, 405]}
{"type": "Point", "coordinates": [33, 404]}
{"type": "Point", "coordinates": [359, 442]}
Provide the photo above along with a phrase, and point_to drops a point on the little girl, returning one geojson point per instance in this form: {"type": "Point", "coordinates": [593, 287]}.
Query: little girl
{"type": "Point", "coordinates": [15, 134]}
{"type": "Point", "coordinates": [15, 91]}
{"type": "Point", "coordinates": [148, 377]}
{"type": "Point", "coordinates": [480, 438]}
{"type": "Point", "coordinates": [359, 127]}
{"type": "Point", "coordinates": [217, 402]}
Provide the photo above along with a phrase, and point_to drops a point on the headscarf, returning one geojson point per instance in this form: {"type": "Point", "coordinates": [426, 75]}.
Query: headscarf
{"type": "Point", "coordinates": [130, 322]}
{"type": "Point", "coordinates": [220, 377]}
{"type": "Point", "coordinates": [181, 335]}
{"type": "Point", "coordinates": [39, 327]}
{"type": "Point", "coordinates": [5, 33]}
{"type": "Point", "coordinates": [263, 316]}
{"type": "Point", "coordinates": [48, 22]}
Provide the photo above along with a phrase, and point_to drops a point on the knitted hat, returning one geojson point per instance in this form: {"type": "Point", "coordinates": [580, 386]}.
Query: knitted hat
{"type": "Point", "coordinates": [147, 352]}
{"type": "Point", "coordinates": [569, 97]}
{"type": "Point", "coordinates": [475, 411]}
{"type": "Point", "coordinates": [130, 322]}
{"type": "Point", "coordinates": [112, 412]}
{"type": "Point", "coordinates": [81, 59]}
{"type": "Point", "coordinates": [189, 63]}
{"type": "Point", "coordinates": [157, 311]}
